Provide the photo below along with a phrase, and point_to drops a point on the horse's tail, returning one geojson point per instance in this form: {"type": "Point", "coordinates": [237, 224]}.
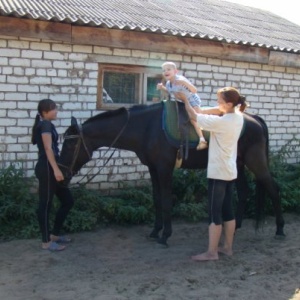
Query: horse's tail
{"type": "Point", "coordinates": [260, 198]}
{"type": "Point", "coordinates": [265, 132]}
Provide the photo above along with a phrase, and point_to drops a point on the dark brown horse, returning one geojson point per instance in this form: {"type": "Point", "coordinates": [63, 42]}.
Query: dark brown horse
{"type": "Point", "coordinates": [139, 129]}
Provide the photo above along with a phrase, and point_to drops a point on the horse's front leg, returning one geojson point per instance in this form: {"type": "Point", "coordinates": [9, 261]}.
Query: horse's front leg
{"type": "Point", "coordinates": [165, 188]}
{"type": "Point", "coordinates": [162, 197]}
{"type": "Point", "coordinates": [158, 222]}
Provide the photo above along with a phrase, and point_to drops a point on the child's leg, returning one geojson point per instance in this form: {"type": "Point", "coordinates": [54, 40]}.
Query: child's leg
{"type": "Point", "coordinates": [202, 143]}
{"type": "Point", "coordinates": [198, 110]}
{"type": "Point", "coordinates": [197, 129]}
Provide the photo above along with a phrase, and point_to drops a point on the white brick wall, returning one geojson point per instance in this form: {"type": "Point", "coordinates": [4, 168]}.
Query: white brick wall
{"type": "Point", "coordinates": [31, 70]}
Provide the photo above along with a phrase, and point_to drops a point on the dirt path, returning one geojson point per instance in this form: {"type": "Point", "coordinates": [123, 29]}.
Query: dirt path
{"type": "Point", "coordinates": [117, 263]}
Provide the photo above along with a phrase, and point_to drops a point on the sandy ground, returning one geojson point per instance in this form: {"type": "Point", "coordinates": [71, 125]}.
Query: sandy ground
{"type": "Point", "coordinates": [117, 263]}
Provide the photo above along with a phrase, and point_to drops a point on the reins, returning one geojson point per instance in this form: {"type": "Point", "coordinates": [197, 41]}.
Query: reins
{"type": "Point", "coordinates": [77, 147]}
{"type": "Point", "coordinates": [81, 140]}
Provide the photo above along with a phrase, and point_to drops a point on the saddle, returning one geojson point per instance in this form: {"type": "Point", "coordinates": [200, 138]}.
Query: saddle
{"type": "Point", "coordinates": [178, 129]}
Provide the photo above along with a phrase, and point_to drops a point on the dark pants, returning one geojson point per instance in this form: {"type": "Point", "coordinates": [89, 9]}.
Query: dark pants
{"type": "Point", "coordinates": [48, 187]}
{"type": "Point", "coordinates": [220, 206]}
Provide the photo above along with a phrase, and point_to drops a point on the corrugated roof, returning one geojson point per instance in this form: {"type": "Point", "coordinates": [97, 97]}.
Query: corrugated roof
{"type": "Point", "coordinates": [206, 19]}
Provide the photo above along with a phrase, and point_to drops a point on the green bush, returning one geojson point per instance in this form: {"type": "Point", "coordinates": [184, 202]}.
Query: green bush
{"type": "Point", "coordinates": [190, 194]}
{"type": "Point", "coordinates": [288, 175]}
{"type": "Point", "coordinates": [18, 203]}
{"type": "Point", "coordinates": [131, 206]}
{"type": "Point", "coordinates": [190, 186]}
{"type": "Point", "coordinates": [84, 215]}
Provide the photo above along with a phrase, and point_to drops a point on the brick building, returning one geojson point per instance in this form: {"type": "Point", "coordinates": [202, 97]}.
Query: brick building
{"type": "Point", "coordinates": [52, 52]}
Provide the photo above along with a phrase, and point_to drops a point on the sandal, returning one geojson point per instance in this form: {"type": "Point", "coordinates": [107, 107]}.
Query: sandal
{"type": "Point", "coordinates": [54, 247]}
{"type": "Point", "coordinates": [61, 239]}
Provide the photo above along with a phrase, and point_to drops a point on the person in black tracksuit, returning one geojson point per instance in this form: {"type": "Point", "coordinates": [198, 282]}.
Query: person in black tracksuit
{"type": "Point", "coordinates": [45, 136]}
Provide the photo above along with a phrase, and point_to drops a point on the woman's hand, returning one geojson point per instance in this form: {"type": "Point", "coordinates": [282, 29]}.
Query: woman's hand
{"type": "Point", "coordinates": [58, 175]}
{"type": "Point", "coordinates": [191, 112]}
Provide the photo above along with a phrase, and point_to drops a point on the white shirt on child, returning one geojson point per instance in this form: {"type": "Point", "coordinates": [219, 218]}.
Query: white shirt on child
{"type": "Point", "coordinates": [193, 98]}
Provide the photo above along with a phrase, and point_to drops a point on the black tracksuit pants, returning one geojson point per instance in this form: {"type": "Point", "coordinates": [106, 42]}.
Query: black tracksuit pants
{"type": "Point", "coordinates": [48, 187]}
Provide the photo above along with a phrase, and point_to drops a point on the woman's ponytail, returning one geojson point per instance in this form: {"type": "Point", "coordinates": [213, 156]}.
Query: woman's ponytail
{"type": "Point", "coordinates": [34, 127]}
{"type": "Point", "coordinates": [243, 103]}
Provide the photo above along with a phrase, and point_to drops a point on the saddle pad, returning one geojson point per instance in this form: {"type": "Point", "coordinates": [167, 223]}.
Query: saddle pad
{"type": "Point", "coordinates": [171, 127]}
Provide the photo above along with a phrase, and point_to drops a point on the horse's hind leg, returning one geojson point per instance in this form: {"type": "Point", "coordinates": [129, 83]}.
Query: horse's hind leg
{"type": "Point", "coordinates": [272, 189]}
{"type": "Point", "coordinates": [242, 193]}
{"type": "Point", "coordinates": [256, 161]}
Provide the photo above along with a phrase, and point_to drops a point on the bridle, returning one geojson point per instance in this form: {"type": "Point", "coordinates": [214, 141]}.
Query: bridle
{"type": "Point", "coordinates": [80, 142]}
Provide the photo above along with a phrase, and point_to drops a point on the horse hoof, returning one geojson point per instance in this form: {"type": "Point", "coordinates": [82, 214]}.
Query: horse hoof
{"type": "Point", "coordinates": [152, 238]}
{"type": "Point", "coordinates": [162, 243]}
{"type": "Point", "coordinates": [154, 235]}
{"type": "Point", "coordinates": [279, 237]}
{"type": "Point", "coordinates": [162, 246]}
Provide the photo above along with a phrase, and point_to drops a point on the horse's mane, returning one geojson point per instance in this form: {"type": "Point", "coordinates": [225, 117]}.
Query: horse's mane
{"type": "Point", "coordinates": [106, 114]}
{"type": "Point", "coordinates": [144, 107]}
{"type": "Point", "coordinates": [115, 112]}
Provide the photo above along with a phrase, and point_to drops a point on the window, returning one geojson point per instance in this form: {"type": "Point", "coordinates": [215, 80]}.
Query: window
{"type": "Point", "coordinates": [127, 85]}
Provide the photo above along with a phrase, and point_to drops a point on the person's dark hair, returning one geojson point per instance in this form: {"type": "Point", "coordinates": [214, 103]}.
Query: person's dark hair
{"type": "Point", "coordinates": [44, 105]}
{"type": "Point", "coordinates": [231, 94]}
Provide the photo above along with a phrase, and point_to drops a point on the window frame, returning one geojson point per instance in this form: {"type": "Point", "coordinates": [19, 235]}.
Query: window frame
{"type": "Point", "coordinates": [144, 73]}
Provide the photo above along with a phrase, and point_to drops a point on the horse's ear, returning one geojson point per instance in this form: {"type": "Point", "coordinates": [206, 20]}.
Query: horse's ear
{"type": "Point", "coordinates": [73, 121]}
{"type": "Point", "coordinates": [75, 124]}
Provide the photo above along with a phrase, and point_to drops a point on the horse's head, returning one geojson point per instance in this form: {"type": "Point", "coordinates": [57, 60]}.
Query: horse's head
{"type": "Point", "coordinates": [74, 153]}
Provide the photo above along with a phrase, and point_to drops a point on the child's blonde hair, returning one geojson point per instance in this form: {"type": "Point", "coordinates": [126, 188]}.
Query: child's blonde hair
{"type": "Point", "coordinates": [169, 63]}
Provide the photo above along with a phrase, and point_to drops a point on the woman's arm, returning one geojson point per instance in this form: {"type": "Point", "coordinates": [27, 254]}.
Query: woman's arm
{"type": "Point", "coordinates": [211, 111]}
{"type": "Point", "coordinates": [208, 122]}
{"type": "Point", "coordinates": [47, 141]}
{"type": "Point", "coordinates": [191, 112]}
